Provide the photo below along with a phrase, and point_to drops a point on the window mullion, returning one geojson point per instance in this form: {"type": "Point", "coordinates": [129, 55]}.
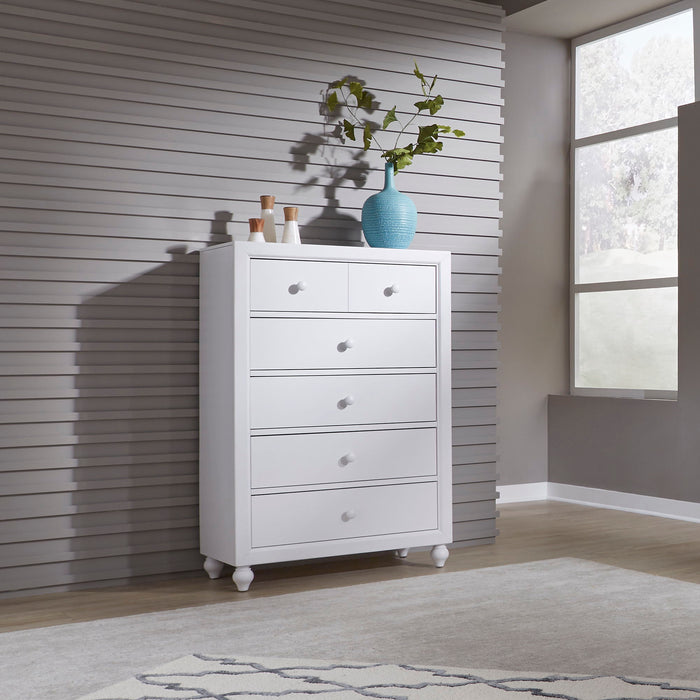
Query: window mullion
{"type": "Point", "coordinates": [647, 128]}
{"type": "Point", "coordinates": [623, 285]}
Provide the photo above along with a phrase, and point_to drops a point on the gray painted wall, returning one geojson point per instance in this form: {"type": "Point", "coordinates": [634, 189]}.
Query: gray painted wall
{"type": "Point", "coordinates": [627, 445]}
{"type": "Point", "coordinates": [534, 297]}
{"type": "Point", "coordinates": [132, 134]}
{"type": "Point", "coordinates": [645, 447]}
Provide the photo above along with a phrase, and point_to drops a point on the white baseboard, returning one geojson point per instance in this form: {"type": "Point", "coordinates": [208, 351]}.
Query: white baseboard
{"type": "Point", "coordinates": [518, 493]}
{"type": "Point", "coordinates": [632, 502]}
{"type": "Point", "coordinates": [600, 498]}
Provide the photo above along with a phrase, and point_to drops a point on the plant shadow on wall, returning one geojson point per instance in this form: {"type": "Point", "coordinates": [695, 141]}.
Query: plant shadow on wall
{"type": "Point", "coordinates": [135, 438]}
{"type": "Point", "coordinates": [351, 113]}
{"type": "Point", "coordinates": [331, 165]}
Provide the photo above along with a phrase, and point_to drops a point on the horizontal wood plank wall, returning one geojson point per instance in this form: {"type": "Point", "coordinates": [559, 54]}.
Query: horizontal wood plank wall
{"type": "Point", "coordinates": [134, 133]}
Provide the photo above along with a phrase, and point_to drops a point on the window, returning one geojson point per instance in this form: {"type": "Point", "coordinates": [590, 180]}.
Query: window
{"type": "Point", "coordinates": [628, 82]}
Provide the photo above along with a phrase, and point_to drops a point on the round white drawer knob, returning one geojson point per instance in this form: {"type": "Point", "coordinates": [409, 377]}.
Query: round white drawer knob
{"type": "Point", "coordinates": [348, 458]}
{"type": "Point", "coordinates": [346, 345]}
{"type": "Point", "coordinates": [349, 400]}
{"type": "Point", "coordinates": [394, 289]}
{"type": "Point", "coordinates": [348, 515]}
{"type": "Point", "coordinates": [297, 287]}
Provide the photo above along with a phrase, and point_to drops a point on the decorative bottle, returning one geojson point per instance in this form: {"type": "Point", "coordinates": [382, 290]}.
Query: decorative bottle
{"type": "Point", "coordinates": [291, 226]}
{"type": "Point", "coordinates": [267, 205]}
{"type": "Point", "coordinates": [256, 230]}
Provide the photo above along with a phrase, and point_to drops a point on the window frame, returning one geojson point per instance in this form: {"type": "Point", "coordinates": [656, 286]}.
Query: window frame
{"type": "Point", "coordinates": [631, 284]}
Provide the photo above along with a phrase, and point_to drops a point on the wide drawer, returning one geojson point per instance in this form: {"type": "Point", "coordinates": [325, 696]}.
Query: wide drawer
{"type": "Point", "coordinates": [279, 402]}
{"type": "Point", "coordinates": [314, 516]}
{"type": "Point", "coordinates": [392, 288]}
{"type": "Point", "coordinates": [298, 285]}
{"type": "Point", "coordinates": [279, 343]}
{"type": "Point", "coordinates": [326, 458]}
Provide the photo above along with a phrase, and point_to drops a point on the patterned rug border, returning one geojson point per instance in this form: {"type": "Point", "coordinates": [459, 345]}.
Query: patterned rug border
{"type": "Point", "coordinates": [284, 677]}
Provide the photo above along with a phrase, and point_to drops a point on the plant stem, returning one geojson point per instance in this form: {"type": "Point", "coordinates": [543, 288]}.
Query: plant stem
{"type": "Point", "coordinates": [413, 118]}
{"type": "Point", "coordinates": [403, 128]}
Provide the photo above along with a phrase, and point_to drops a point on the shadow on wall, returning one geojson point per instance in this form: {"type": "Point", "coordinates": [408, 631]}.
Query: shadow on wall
{"type": "Point", "coordinates": [332, 165]}
{"type": "Point", "coordinates": [136, 434]}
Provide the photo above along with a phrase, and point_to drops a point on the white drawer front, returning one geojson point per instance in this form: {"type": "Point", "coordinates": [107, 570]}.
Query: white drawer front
{"type": "Point", "coordinates": [277, 343]}
{"type": "Point", "coordinates": [392, 288]}
{"type": "Point", "coordinates": [278, 402]}
{"type": "Point", "coordinates": [326, 458]}
{"type": "Point", "coordinates": [298, 285]}
{"type": "Point", "coordinates": [313, 516]}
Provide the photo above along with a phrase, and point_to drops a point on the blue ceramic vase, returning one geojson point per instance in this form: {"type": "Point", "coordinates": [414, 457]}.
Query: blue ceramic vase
{"type": "Point", "coordinates": [389, 217]}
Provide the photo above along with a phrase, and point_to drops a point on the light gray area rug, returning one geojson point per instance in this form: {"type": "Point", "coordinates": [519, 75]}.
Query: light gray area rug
{"type": "Point", "coordinates": [561, 615]}
{"type": "Point", "coordinates": [218, 677]}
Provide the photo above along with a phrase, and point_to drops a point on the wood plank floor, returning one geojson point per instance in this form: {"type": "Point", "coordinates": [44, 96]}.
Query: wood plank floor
{"type": "Point", "coordinates": [529, 532]}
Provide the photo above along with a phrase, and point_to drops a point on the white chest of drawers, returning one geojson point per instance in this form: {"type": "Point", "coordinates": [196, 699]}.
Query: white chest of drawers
{"type": "Point", "coordinates": [325, 403]}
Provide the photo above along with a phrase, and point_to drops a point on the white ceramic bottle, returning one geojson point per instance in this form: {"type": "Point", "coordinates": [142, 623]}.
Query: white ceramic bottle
{"type": "Point", "coordinates": [267, 205]}
{"type": "Point", "coordinates": [291, 226]}
{"type": "Point", "coordinates": [256, 230]}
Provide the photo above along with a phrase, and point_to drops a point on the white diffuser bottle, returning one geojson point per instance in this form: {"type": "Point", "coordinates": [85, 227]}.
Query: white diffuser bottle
{"type": "Point", "coordinates": [291, 226]}
{"type": "Point", "coordinates": [267, 205]}
{"type": "Point", "coordinates": [256, 230]}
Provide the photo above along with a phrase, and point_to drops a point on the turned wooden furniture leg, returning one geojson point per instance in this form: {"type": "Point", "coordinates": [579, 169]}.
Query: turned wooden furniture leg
{"type": "Point", "coordinates": [402, 553]}
{"type": "Point", "coordinates": [243, 577]}
{"type": "Point", "coordinates": [213, 567]}
{"type": "Point", "coordinates": [439, 554]}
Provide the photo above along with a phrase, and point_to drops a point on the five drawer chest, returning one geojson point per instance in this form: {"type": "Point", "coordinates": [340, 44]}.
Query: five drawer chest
{"type": "Point", "coordinates": [325, 403]}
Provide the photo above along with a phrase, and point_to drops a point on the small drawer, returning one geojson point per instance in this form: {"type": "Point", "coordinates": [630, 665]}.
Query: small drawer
{"type": "Point", "coordinates": [392, 288]}
{"type": "Point", "coordinates": [277, 343]}
{"type": "Point", "coordinates": [288, 402]}
{"type": "Point", "coordinates": [327, 458]}
{"type": "Point", "coordinates": [298, 285]}
{"type": "Point", "coordinates": [314, 516]}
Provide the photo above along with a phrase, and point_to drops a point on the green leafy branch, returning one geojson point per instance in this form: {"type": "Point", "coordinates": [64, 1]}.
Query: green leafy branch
{"type": "Point", "coordinates": [351, 95]}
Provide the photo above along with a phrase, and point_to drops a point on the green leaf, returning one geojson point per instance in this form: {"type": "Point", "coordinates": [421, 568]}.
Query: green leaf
{"type": "Point", "coordinates": [390, 117]}
{"type": "Point", "coordinates": [432, 85]}
{"type": "Point", "coordinates": [394, 153]}
{"type": "Point", "coordinates": [366, 101]}
{"type": "Point", "coordinates": [332, 101]}
{"type": "Point", "coordinates": [356, 89]}
{"type": "Point", "coordinates": [428, 147]}
{"type": "Point", "coordinates": [436, 104]}
{"type": "Point", "coordinates": [428, 133]}
{"type": "Point", "coordinates": [364, 98]}
{"type": "Point", "coordinates": [349, 129]}
{"type": "Point", "coordinates": [367, 137]}
{"type": "Point", "coordinates": [339, 83]}
{"type": "Point", "coordinates": [400, 157]}
{"type": "Point", "coordinates": [458, 133]}
{"type": "Point", "coordinates": [403, 162]}
{"type": "Point", "coordinates": [418, 74]}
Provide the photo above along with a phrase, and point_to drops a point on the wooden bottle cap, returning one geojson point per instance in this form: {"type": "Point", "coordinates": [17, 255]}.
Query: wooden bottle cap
{"type": "Point", "coordinates": [291, 213]}
{"type": "Point", "coordinates": [267, 201]}
{"type": "Point", "coordinates": [256, 225]}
